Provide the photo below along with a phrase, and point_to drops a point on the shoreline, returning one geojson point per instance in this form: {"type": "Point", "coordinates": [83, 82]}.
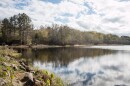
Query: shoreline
{"type": "Point", "coordinates": [57, 46]}
{"type": "Point", "coordinates": [44, 46]}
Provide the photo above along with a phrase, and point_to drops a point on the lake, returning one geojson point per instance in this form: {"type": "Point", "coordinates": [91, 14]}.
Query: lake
{"type": "Point", "coordinates": [84, 66]}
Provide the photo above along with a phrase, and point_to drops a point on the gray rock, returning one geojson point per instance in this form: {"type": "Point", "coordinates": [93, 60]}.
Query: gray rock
{"type": "Point", "coordinates": [29, 69]}
{"type": "Point", "coordinates": [17, 83]}
{"type": "Point", "coordinates": [39, 83]}
{"type": "Point", "coordinates": [25, 65]}
{"type": "Point", "coordinates": [23, 62]}
{"type": "Point", "coordinates": [2, 82]}
{"type": "Point", "coordinates": [14, 67]}
{"type": "Point", "coordinates": [7, 58]}
{"type": "Point", "coordinates": [22, 68]}
{"type": "Point", "coordinates": [5, 64]}
{"type": "Point", "coordinates": [28, 79]}
{"type": "Point", "coordinates": [29, 75]}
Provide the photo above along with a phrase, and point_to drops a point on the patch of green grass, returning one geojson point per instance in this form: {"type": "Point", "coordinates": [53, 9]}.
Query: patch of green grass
{"type": "Point", "coordinates": [45, 72]}
{"type": "Point", "coordinates": [59, 82]}
{"type": "Point", "coordinates": [49, 78]}
{"type": "Point", "coordinates": [52, 75]}
{"type": "Point", "coordinates": [4, 51]}
{"type": "Point", "coordinates": [2, 73]}
{"type": "Point", "coordinates": [2, 59]}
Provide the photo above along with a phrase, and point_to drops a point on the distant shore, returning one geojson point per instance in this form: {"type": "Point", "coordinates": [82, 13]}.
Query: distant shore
{"type": "Point", "coordinates": [44, 46]}
{"type": "Point", "coordinates": [56, 46]}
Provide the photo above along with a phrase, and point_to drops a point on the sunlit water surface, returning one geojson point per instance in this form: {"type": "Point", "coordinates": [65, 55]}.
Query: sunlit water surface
{"type": "Point", "coordinates": [93, 66]}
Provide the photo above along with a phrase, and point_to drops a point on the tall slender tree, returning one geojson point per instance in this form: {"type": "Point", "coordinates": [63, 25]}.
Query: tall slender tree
{"type": "Point", "coordinates": [25, 27]}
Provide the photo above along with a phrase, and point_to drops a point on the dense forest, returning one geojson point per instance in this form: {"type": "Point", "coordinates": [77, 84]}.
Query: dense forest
{"type": "Point", "coordinates": [19, 29]}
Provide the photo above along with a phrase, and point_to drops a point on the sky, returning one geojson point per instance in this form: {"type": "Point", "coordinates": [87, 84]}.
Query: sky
{"type": "Point", "coordinates": [105, 16]}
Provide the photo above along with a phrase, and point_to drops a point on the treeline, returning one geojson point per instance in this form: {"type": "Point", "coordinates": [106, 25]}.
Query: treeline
{"type": "Point", "coordinates": [64, 35]}
{"type": "Point", "coordinates": [18, 29]}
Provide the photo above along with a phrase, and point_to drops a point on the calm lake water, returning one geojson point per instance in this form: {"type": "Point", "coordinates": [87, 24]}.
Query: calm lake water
{"type": "Point", "coordinates": [85, 66]}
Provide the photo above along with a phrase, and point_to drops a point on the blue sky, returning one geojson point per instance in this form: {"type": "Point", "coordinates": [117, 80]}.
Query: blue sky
{"type": "Point", "coordinates": [106, 16]}
{"type": "Point", "coordinates": [53, 1]}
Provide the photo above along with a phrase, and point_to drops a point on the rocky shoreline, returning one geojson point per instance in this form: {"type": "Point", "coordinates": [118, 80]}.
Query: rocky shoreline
{"type": "Point", "coordinates": [15, 71]}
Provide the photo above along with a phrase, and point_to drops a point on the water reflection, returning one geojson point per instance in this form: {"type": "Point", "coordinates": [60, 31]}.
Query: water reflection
{"type": "Point", "coordinates": [62, 56]}
{"type": "Point", "coordinates": [84, 66]}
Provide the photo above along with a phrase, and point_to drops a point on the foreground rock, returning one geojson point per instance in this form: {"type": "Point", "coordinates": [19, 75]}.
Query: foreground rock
{"type": "Point", "coordinates": [2, 82]}
{"type": "Point", "coordinates": [28, 79]}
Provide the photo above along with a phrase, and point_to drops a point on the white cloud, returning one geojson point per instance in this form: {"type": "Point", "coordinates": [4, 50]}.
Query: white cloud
{"type": "Point", "coordinates": [69, 7]}
{"type": "Point", "coordinates": [107, 16]}
{"type": "Point", "coordinates": [114, 15]}
{"type": "Point", "coordinates": [77, 1]}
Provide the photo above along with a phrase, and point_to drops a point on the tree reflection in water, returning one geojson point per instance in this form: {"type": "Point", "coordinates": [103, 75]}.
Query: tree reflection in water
{"type": "Point", "coordinates": [62, 56]}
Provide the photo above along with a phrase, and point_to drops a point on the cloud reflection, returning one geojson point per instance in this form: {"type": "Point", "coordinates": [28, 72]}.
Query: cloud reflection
{"type": "Point", "coordinates": [106, 70]}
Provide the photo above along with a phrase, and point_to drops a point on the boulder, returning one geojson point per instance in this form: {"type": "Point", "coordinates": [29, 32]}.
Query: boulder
{"type": "Point", "coordinates": [28, 79]}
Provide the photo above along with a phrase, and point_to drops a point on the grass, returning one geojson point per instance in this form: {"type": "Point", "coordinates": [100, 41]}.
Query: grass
{"type": "Point", "coordinates": [6, 71]}
{"type": "Point", "coordinates": [49, 78]}
{"type": "Point", "coordinates": [2, 73]}
{"type": "Point", "coordinates": [4, 51]}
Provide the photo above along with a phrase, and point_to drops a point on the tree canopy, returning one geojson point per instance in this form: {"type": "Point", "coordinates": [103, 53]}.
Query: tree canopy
{"type": "Point", "coordinates": [16, 29]}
